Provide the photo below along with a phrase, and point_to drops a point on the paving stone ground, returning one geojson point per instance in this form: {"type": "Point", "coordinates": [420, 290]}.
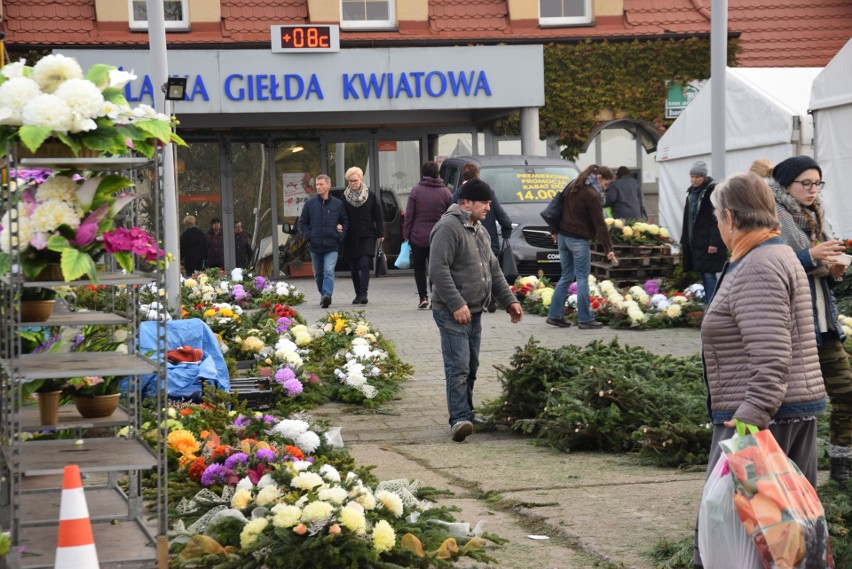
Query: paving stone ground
{"type": "Point", "coordinates": [597, 510]}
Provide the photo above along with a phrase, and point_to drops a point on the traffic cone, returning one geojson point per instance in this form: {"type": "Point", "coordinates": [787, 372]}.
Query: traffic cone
{"type": "Point", "coordinates": [75, 548]}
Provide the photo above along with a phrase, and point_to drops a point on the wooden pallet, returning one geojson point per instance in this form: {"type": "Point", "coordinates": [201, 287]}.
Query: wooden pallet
{"type": "Point", "coordinates": [629, 249]}
{"type": "Point", "coordinates": [250, 389]}
{"type": "Point", "coordinates": [638, 261]}
{"type": "Point", "coordinates": [606, 271]}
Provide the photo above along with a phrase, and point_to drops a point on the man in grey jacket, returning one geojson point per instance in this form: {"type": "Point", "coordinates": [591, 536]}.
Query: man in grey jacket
{"type": "Point", "coordinates": [465, 274]}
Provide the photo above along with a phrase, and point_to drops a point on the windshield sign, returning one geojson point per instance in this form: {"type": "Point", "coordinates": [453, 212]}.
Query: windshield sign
{"type": "Point", "coordinates": [521, 184]}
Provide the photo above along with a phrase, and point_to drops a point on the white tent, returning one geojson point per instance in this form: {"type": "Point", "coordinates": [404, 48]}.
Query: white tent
{"type": "Point", "coordinates": [831, 104]}
{"type": "Point", "coordinates": [766, 117]}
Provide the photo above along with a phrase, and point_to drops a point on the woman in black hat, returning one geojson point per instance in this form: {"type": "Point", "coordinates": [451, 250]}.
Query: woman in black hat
{"type": "Point", "coordinates": [796, 186]}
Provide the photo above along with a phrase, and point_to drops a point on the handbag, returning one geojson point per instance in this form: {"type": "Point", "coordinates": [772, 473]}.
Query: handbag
{"type": "Point", "coordinates": [381, 261]}
{"type": "Point", "coordinates": [722, 540]}
{"type": "Point", "coordinates": [552, 214]}
{"type": "Point", "coordinates": [507, 261]}
{"type": "Point", "coordinates": [403, 261]}
{"type": "Point", "coordinates": [778, 507]}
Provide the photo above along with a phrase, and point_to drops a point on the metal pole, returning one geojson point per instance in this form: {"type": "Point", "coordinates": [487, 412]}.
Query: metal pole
{"type": "Point", "coordinates": [160, 73]}
{"type": "Point", "coordinates": [718, 87]}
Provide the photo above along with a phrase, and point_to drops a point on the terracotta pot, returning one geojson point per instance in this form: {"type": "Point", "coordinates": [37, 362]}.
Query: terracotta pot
{"type": "Point", "coordinates": [304, 270]}
{"type": "Point", "coordinates": [97, 406]}
{"type": "Point", "coordinates": [48, 407]}
{"type": "Point", "coordinates": [36, 310]}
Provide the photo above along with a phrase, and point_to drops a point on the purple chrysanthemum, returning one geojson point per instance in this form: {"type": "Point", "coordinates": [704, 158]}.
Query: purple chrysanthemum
{"type": "Point", "coordinates": [214, 473]}
{"type": "Point", "coordinates": [241, 421]}
{"type": "Point", "coordinates": [572, 288]}
{"type": "Point", "coordinates": [265, 454]}
{"type": "Point", "coordinates": [269, 419]}
{"type": "Point", "coordinates": [259, 283]}
{"type": "Point", "coordinates": [293, 387]}
{"type": "Point", "coordinates": [235, 459]}
{"type": "Point", "coordinates": [284, 375]}
{"type": "Point", "coordinates": [282, 324]}
{"type": "Point", "coordinates": [652, 287]}
{"type": "Point", "coordinates": [239, 292]}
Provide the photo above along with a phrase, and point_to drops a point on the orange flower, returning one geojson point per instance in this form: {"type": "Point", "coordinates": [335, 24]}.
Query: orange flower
{"type": "Point", "coordinates": [203, 434]}
{"type": "Point", "coordinates": [295, 452]}
{"type": "Point", "coordinates": [186, 460]}
{"type": "Point", "coordinates": [196, 469]}
{"type": "Point", "coordinates": [220, 451]}
{"type": "Point", "coordinates": [183, 441]}
{"type": "Point", "coordinates": [186, 412]}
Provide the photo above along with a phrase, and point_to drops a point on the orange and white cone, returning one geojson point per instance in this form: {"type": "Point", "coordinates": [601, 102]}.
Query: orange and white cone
{"type": "Point", "coordinates": [75, 548]}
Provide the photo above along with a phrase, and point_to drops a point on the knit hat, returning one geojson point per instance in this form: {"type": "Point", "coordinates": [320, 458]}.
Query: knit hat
{"type": "Point", "coordinates": [475, 190]}
{"type": "Point", "coordinates": [787, 171]}
{"type": "Point", "coordinates": [699, 168]}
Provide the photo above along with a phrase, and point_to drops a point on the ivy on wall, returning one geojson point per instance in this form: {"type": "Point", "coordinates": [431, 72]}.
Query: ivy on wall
{"type": "Point", "coordinates": [592, 81]}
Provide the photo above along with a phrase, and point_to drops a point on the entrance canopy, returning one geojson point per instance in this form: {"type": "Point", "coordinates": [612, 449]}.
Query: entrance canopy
{"type": "Point", "coordinates": [766, 117]}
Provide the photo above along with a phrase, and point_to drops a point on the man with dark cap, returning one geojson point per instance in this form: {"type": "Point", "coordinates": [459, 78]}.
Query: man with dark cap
{"type": "Point", "coordinates": [701, 243]}
{"type": "Point", "coordinates": [798, 205]}
{"type": "Point", "coordinates": [465, 274]}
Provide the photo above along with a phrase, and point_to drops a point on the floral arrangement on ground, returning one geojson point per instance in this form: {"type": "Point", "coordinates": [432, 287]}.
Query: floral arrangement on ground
{"type": "Point", "coordinates": [636, 307]}
{"type": "Point", "coordinates": [637, 232]}
{"type": "Point", "coordinates": [258, 490]}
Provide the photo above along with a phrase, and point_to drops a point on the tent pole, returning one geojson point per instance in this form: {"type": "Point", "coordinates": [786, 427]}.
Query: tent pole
{"type": "Point", "coordinates": [718, 72]}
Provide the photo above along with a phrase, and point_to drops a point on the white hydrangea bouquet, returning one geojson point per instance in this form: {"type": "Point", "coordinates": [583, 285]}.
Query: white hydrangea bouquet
{"type": "Point", "coordinates": [54, 100]}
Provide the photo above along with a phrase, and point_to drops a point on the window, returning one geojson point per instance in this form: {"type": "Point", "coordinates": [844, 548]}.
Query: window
{"type": "Point", "coordinates": [564, 12]}
{"type": "Point", "coordinates": [367, 14]}
{"type": "Point", "coordinates": [176, 14]}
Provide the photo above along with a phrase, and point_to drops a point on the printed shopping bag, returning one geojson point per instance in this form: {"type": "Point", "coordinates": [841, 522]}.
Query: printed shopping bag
{"type": "Point", "coordinates": [404, 259]}
{"type": "Point", "coordinates": [779, 508]}
{"type": "Point", "coordinates": [722, 540]}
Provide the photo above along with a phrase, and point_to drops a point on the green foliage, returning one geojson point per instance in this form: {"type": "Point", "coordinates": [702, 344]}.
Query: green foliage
{"type": "Point", "coordinates": [587, 81]}
{"type": "Point", "coordinates": [673, 554]}
{"type": "Point", "coordinates": [608, 397]}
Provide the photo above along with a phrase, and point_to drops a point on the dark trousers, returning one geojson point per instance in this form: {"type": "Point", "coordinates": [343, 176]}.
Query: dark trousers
{"type": "Point", "coordinates": [420, 260]}
{"type": "Point", "coordinates": [360, 268]}
{"type": "Point", "coordinates": [837, 374]}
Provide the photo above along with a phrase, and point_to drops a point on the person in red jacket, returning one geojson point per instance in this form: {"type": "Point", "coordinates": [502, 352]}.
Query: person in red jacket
{"type": "Point", "coordinates": [427, 202]}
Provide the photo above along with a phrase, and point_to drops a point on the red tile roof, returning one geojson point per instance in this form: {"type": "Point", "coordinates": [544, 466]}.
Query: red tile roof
{"type": "Point", "coordinates": [773, 33]}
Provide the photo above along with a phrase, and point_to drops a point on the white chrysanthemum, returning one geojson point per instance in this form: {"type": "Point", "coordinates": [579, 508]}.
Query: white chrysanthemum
{"type": "Point", "coordinates": [244, 483]}
{"type": "Point", "coordinates": [384, 538]}
{"type": "Point", "coordinates": [673, 311]}
{"type": "Point", "coordinates": [290, 428]}
{"type": "Point", "coordinates": [317, 511]}
{"type": "Point", "coordinates": [286, 516]}
{"type": "Point", "coordinates": [15, 94]}
{"type": "Point", "coordinates": [308, 441]}
{"type": "Point", "coordinates": [60, 188]}
{"type": "Point", "coordinates": [391, 501]}
{"type": "Point", "coordinates": [25, 232]}
{"type": "Point", "coordinates": [237, 275]}
{"type": "Point", "coordinates": [362, 329]}
{"type": "Point", "coordinates": [679, 299]}
{"type": "Point", "coordinates": [241, 498]}
{"type": "Point", "coordinates": [366, 499]}
{"type": "Point", "coordinates": [48, 111]}
{"type": "Point", "coordinates": [301, 465]}
{"type": "Point", "coordinates": [53, 70]}
{"type": "Point", "coordinates": [268, 495]}
{"type": "Point", "coordinates": [265, 480]}
{"type": "Point", "coordinates": [191, 283]}
{"type": "Point", "coordinates": [83, 97]}
{"type": "Point", "coordinates": [48, 216]}
{"type": "Point", "coordinates": [13, 70]}
{"type": "Point", "coordinates": [335, 495]}
{"type": "Point", "coordinates": [330, 473]}
{"type": "Point", "coordinates": [307, 481]}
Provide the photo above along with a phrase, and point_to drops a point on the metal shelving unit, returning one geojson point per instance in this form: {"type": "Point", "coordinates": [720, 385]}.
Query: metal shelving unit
{"type": "Point", "coordinates": [31, 489]}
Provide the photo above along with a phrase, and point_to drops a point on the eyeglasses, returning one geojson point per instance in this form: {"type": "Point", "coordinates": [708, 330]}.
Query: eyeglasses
{"type": "Point", "coordinates": [808, 184]}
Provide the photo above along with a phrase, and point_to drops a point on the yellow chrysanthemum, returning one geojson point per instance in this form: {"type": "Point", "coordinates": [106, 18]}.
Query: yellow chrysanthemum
{"type": "Point", "coordinates": [241, 499]}
{"type": "Point", "coordinates": [183, 442]}
{"type": "Point", "coordinates": [384, 538]}
{"type": "Point", "coordinates": [286, 516]}
{"type": "Point", "coordinates": [251, 531]}
{"type": "Point", "coordinates": [353, 519]}
{"type": "Point", "coordinates": [209, 313]}
{"type": "Point", "coordinates": [339, 324]}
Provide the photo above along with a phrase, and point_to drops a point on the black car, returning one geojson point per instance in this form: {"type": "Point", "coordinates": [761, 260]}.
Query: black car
{"type": "Point", "coordinates": [524, 185]}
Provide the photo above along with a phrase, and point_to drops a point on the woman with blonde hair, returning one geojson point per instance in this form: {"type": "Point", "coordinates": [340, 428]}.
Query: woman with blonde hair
{"type": "Point", "coordinates": [366, 229]}
{"type": "Point", "coordinates": [759, 349]}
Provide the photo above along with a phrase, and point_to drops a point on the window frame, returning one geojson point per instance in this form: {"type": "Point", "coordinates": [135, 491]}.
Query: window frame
{"type": "Point", "coordinates": [566, 21]}
{"type": "Point", "coordinates": [370, 25]}
{"type": "Point", "coordinates": [171, 25]}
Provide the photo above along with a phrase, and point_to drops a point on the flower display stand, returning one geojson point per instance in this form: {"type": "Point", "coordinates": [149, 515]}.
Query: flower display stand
{"type": "Point", "coordinates": [30, 509]}
{"type": "Point", "coordinates": [637, 262]}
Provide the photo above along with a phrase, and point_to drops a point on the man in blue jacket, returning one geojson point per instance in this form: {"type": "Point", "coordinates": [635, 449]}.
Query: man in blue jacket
{"type": "Point", "coordinates": [323, 223]}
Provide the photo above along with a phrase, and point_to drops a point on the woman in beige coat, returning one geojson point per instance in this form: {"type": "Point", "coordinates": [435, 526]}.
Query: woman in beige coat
{"type": "Point", "coordinates": [760, 354]}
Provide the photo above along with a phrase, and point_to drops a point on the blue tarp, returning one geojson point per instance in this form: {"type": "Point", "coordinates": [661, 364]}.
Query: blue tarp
{"type": "Point", "coordinates": [184, 379]}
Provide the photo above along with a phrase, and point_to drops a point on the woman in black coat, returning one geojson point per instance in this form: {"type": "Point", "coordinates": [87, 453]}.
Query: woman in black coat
{"type": "Point", "coordinates": [366, 227]}
{"type": "Point", "coordinates": [701, 243]}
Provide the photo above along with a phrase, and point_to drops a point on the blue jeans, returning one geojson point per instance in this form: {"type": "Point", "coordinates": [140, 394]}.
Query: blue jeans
{"type": "Point", "coordinates": [576, 259]}
{"type": "Point", "coordinates": [460, 348]}
{"type": "Point", "coordinates": [709, 281]}
{"type": "Point", "coordinates": [324, 271]}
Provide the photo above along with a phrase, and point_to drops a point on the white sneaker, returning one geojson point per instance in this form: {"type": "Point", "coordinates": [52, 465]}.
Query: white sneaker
{"type": "Point", "coordinates": [462, 430]}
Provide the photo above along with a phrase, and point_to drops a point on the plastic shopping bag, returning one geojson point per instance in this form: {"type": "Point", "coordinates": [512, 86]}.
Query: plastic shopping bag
{"type": "Point", "coordinates": [403, 261]}
{"type": "Point", "coordinates": [722, 540]}
{"type": "Point", "coordinates": [779, 508]}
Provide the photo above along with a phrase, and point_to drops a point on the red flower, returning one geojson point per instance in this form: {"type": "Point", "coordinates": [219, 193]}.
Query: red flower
{"type": "Point", "coordinates": [196, 469]}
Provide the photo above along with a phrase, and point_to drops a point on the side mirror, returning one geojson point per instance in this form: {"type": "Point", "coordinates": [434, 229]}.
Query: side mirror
{"type": "Point", "coordinates": [289, 228]}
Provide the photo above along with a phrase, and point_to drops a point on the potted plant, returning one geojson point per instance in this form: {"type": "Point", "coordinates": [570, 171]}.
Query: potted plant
{"type": "Point", "coordinates": [68, 222]}
{"type": "Point", "coordinates": [37, 303]}
{"type": "Point", "coordinates": [54, 100]}
{"type": "Point", "coordinates": [95, 396]}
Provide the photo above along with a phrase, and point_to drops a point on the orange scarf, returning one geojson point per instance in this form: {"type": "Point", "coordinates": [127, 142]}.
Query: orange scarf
{"type": "Point", "coordinates": [749, 240]}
